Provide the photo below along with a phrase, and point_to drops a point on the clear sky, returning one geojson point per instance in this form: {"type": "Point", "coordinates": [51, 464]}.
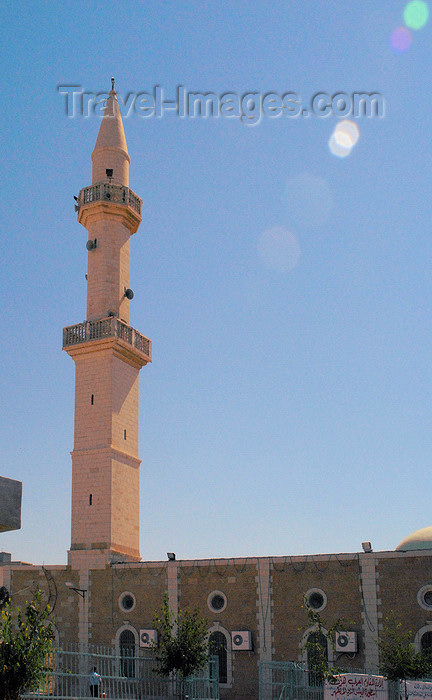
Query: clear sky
{"type": "Point", "coordinates": [286, 289]}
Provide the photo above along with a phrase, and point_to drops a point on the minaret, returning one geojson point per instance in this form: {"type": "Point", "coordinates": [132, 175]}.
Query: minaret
{"type": "Point", "coordinates": [108, 355]}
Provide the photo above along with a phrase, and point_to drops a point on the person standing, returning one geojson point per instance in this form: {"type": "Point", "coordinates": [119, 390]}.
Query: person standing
{"type": "Point", "coordinates": [95, 681]}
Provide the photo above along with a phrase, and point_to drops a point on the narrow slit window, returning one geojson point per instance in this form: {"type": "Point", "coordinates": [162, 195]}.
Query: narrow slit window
{"type": "Point", "coordinates": [92, 399]}
{"type": "Point", "coordinates": [91, 499]}
{"type": "Point", "coordinates": [124, 433]}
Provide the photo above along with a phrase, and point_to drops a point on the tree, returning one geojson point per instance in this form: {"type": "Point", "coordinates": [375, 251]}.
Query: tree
{"type": "Point", "coordinates": [398, 658]}
{"type": "Point", "coordinates": [4, 597]}
{"type": "Point", "coordinates": [25, 643]}
{"type": "Point", "coordinates": [181, 646]}
{"type": "Point", "coordinates": [316, 643]}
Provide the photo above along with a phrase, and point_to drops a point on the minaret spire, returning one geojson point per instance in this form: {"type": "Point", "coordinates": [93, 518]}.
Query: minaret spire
{"type": "Point", "coordinates": [110, 151]}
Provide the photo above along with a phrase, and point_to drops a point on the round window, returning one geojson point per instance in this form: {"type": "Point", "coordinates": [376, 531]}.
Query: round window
{"type": "Point", "coordinates": [317, 599]}
{"type": "Point", "coordinates": [428, 598]}
{"type": "Point", "coordinates": [424, 597]}
{"type": "Point", "coordinates": [127, 601]}
{"type": "Point", "coordinates": [217, 601]}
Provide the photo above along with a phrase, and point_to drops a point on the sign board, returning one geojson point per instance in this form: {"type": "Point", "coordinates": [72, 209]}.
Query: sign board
{"type": "Point", "coordinates": [418, 690]}
{"type": "Point", "coordinates": [356, 685]}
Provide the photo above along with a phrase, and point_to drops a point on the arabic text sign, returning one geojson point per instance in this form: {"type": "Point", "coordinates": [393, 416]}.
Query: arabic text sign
{"type": "Point", "coordinates": [419, 690]}
{"type": "Point", "coordinates": [356, 685]}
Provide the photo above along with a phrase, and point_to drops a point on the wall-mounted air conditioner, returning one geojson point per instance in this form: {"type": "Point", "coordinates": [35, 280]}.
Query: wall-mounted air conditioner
{"type": "Point", "coordinates": [346, 641]}
{"type": "Point", "coordinates": [147, 637]}
{"type": "Point", "coordinates": [241, 640]}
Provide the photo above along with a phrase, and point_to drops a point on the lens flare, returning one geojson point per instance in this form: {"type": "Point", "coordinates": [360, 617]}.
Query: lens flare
{"type": "Point", "coordinates": [401, 39]}
{"type": "Point", "coordinates": [347, 130]}
{"type": "Point", "coordinates": [279, 249]}
{"type": "Point", "coordinates": [344, 137]}
{"type": "Point", "coordinates": [416, 14]}
{"type": "Point", "coordinates": [337, 148]}
{"type": "Point", "coordinates": [309, 200]}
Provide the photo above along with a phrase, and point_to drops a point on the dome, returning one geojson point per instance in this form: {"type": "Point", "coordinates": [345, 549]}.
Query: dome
{"type": "Point", "coordinates": [420, 539]}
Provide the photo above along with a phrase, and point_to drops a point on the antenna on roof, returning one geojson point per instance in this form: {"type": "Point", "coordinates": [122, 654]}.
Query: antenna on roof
{"type": "Point", "coordinates": [112, 83]}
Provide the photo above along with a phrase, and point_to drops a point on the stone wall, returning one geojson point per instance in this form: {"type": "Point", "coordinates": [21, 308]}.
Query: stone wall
{"type": "Point", "coordinates": [10, 504]}
{"type": "Point", "coordinates": [263, 596]}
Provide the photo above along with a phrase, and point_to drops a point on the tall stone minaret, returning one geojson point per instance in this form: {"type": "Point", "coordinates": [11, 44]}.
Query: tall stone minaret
{"type": "Point", "coordinates": [108, 355]}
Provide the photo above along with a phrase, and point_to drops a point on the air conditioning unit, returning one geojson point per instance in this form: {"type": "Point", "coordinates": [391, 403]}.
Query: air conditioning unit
{"type": "Point", "coordinates": [241, 640]}
{"type": "Point", "coordinates": [147, 637]}
{"type": "Point", "coordinates": [346, 641]}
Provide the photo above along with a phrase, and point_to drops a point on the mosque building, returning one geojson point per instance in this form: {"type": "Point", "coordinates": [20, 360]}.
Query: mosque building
{"type": "Point", "coordinates": [106, 595]}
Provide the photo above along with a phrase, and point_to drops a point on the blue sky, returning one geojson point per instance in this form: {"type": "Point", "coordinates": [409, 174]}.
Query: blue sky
{"type": "Point", "coordinates": [288, 406]}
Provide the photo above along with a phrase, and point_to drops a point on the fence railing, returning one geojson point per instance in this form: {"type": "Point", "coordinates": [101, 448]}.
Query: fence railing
{"type": "Point", "coordinates": [281, 680]}
{"type": "Point", "coordinates": [103, 191]}
{"type": "Point", "coordinates": [106, 328]}
{"type": "Point", "coordinates": [287, 680]}
{"type": "Point", "coordinates": [125, 675]}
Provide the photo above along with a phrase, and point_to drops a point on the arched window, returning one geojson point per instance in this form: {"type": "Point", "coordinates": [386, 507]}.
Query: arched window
{"type": "Point", "coordinates": [426, 642]}
{"type": "Point", "coordinates": [127, 654]}
{"type": "Point", "coordinates": [316, 646]}
{"type": "Point", "coordinates": [218, 647]}
{"type": "Point", "coordinates": [423, 639]}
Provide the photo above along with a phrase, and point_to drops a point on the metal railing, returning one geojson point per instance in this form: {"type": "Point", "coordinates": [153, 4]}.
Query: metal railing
{"type": "Point", "coordinates": [124, 674]}
{"type": "Point", "coordinates": [289, 680]}
{"type": "Point", "coordinates": [110, 327]}
{"type": "Point", "coordinates": [102, 191]}
{"type": "Point", "coordinates": [280, 680]}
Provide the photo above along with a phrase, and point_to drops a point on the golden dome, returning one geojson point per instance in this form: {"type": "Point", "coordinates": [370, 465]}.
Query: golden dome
{"type": "Point", "coordinates": [420, 539]}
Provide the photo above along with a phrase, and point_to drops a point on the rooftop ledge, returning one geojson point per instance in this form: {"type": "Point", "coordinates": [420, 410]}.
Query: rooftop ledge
{"type": "Point", "coordinates": [105, 328]}
{"type": "Point", "coordinates": [105, 192]}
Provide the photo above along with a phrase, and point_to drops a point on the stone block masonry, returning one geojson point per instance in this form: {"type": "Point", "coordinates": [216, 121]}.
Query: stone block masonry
{"type": "Point", "coordinates": [10, 504]}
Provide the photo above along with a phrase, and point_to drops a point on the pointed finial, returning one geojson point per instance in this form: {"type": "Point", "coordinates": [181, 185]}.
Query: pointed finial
{"type": "Point", "coordinates": [112, 83]}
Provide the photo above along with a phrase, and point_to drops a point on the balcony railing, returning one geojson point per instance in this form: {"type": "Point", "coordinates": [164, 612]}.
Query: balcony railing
{"type": "Point", "coordinates": [106, 328]}
{"type": "Point", "coordinates": [105, 192]}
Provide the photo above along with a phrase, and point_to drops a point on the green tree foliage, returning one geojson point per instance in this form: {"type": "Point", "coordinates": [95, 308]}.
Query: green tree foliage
{"type": "Point", "coordinates": [316, 644]}
{"type": "Point", "coordinates": [398, 658]}
{"type": "Point", "coordinates": [25, 644]}
{"type": "Point", "coordinates": [182, 641]}
{"type": "Point", "coordinates": [4, 597]}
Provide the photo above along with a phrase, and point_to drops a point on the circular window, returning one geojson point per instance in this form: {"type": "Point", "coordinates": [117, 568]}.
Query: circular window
{"type": "Point", "coordinates": [217, 601]}
{"type": "Point", "coordinates": [317, 599]}
{"type": "Point", "coordinates": [424, 597]}
{"type": "Point", "coordinates": [127, 601]}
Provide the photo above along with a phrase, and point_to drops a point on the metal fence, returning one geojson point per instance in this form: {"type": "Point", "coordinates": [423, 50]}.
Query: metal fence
{"type": "Point", "coordinates": [129, 676]}
{"type": "Point", "coordinates": [287, 680]}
